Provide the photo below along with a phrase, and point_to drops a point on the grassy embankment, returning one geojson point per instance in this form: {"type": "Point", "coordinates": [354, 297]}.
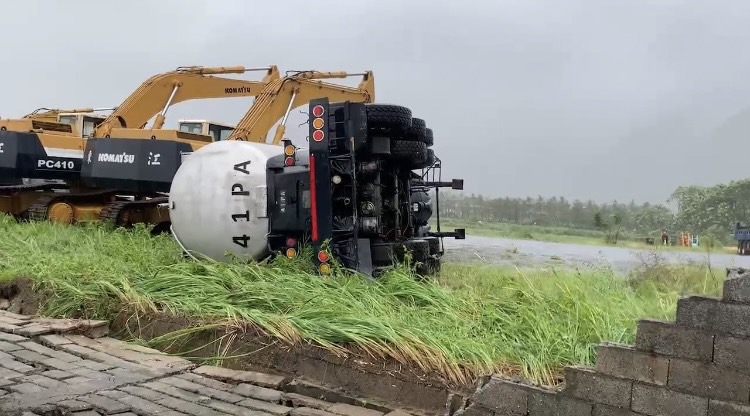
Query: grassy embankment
{"type": "Point", "coordinates": [473, 320]}
{"type": "Point", "coordinates": [563, 235]}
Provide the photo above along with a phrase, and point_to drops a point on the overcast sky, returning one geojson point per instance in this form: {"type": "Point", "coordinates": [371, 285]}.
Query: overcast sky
{"type": "Point", "coordinates": [592, 99]}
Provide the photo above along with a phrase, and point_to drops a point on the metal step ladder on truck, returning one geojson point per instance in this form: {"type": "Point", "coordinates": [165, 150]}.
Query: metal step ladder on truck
{"type": "Point", "coordinates": [353, 195]}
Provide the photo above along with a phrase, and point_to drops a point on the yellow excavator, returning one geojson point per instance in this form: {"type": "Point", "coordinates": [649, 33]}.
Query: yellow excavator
{"type": "Point", "coordinates": [77, 122]}
{"type": "Point", "coordinates": [39, 149]}
{"type": "Point", "coordinates": [143, 169]}
{"type": "Point", "coordinates": [275, 101]}
{"type": "Point", "coordinates": [157, 94]}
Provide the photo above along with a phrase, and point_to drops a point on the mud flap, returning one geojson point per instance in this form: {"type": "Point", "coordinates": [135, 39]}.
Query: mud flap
{"type": "Point", "coordinates": [364, 256]}
{"type": "Point", "coordinates": [22, 155]}
{"type": "Point", "coordinates": [135, 165]}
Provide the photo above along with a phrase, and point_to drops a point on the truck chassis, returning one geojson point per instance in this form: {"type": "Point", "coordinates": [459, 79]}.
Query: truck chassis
{"type": "Point", "coordinates": [358, 197]}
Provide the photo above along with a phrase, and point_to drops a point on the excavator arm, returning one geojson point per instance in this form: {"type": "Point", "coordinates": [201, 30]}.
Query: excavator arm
{"type": "Point", "coordinates": [279, 97]}
{"type": "Point", "coordinates": [159, 92]}
{"type": "Point", "coordinates": [52, 113]}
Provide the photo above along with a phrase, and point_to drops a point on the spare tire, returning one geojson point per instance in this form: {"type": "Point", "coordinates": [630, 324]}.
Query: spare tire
{"type": "Point", "coordinates": [386, 116]}
{"type": "Point", "coordinates": [414, 153]}
{"type": "Point", "coordinates": [429, 160]}
{"type": "Point", "coordinates": [428, 138]}
{"type": "Point", "coordinates": [422, 216]}
{"type": "Point", "coordinates": [417, 130]}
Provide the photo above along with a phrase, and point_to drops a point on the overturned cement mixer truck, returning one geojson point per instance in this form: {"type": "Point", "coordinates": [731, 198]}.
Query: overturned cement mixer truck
{"type": "Point", "coordinates": [359, 193]}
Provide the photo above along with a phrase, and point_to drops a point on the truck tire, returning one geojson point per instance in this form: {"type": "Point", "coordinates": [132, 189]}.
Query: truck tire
{"type": "Point", "coordinates": [385, 116]}
{"type": "Point", "coordinates": [428, 161]}
{"type": "Point", "coordinates": [414, 153]}
{"type": "Point", "coordinates": [428, 138]}
{"type": "Point", "coordinates": [419, 249]}
{"type": "Point", "coordinates": [417, 130]}
{"type": "Point", "coordinates": [435, 265]}
{"type": "Point", "coordinates": [434, 244]}
{"type": "Point", "coordinates": [430, 267]}
{"type": "Point", "coordinates": [382, 254]}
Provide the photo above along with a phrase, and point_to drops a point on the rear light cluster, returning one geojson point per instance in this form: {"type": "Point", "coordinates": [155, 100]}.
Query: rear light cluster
{"type": "Point", "coordinates": [318, 123]}
{"type": "Point", "coordinates": [324, 267]}
{"type": "Point", "coordinates": [290, 153]}
{"type": "Point", "coordinates": [320, 180]}
{"type": "Point", "coordinates": [291, 242]}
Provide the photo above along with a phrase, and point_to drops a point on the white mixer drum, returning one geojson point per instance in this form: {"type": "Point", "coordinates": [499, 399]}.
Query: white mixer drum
{"type": "Point", "coordinates": [217, 201]}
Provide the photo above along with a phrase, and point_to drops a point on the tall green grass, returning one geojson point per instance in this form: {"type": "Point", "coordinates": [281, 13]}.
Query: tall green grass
{"type": "Point", "coordinates": [472, 320]}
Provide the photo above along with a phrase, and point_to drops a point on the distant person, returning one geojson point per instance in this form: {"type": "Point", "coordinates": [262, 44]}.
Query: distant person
{"type": "Point", "coordinates": [664, 237]}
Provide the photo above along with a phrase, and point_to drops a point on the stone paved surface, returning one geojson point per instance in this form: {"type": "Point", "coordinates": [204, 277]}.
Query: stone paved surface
{"type": "Point", "coordinates": [70, 367]}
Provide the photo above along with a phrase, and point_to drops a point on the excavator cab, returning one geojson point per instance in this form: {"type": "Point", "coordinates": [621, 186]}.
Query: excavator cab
{"type": "Point", "coordinates": [85, 124]}
{"type": "Point", "coordinates": [217, 131]}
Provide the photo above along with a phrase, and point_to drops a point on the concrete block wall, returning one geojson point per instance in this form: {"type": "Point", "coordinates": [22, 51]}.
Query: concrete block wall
{"type": "Point", "coordinates": [698, 365]}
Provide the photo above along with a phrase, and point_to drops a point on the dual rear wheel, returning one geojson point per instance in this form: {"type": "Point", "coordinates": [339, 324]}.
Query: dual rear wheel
{"type": "Point", "coordinates": [409, 136]}
{"type": "Point", "coordinates": [408, 143]}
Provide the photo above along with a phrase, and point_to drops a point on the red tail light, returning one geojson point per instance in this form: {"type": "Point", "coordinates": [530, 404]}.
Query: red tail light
{"type": "Point", "coordinates": [318, 111]}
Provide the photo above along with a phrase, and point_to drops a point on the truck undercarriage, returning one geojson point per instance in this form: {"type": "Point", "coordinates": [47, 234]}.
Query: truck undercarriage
{"type": "Point", "coordinates": [358, 196]}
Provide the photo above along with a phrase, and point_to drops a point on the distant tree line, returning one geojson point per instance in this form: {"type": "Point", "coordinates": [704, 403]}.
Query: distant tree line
{"type": "Point", "coordinates": [554, 212]}
{"type": "Point", "coordinates": [711, 210]}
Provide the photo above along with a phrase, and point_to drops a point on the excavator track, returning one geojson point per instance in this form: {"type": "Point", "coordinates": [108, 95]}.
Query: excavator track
{"type": "Point", "coordinates": [39, 210]}
{"type": "Point", "coordinates": [15, 200]}
{"type": "Point", "coordinates": [119, 212]}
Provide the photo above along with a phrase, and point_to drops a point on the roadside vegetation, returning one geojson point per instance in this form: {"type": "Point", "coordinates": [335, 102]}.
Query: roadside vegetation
{"type": "Point", "coordinates": [708, 212]}
{"type": "Point", "coordinates": [572, 235]}
{"type": "Point", "coordinates": [472, 320]}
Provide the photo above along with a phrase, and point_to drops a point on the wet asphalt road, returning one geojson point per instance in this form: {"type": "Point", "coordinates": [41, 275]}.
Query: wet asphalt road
{"type": "Point", "coordinates": [524, 253]}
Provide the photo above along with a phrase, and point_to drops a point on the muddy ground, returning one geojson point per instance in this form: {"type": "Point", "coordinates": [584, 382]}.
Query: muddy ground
{"type": "Point", "coordinates": [523, 253]}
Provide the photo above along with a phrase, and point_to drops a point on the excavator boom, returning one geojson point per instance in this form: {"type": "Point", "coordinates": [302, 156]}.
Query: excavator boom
{"type": "Point", "coordinates": [54, 112]}
{"type": "Point", "coordinates": [279, 97]}
{"type": "Point", "coordinates": [159, 92]}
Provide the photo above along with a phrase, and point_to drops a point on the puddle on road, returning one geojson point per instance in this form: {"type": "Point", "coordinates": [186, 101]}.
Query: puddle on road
{"type": "Point", "coordinates": [532, 253]}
